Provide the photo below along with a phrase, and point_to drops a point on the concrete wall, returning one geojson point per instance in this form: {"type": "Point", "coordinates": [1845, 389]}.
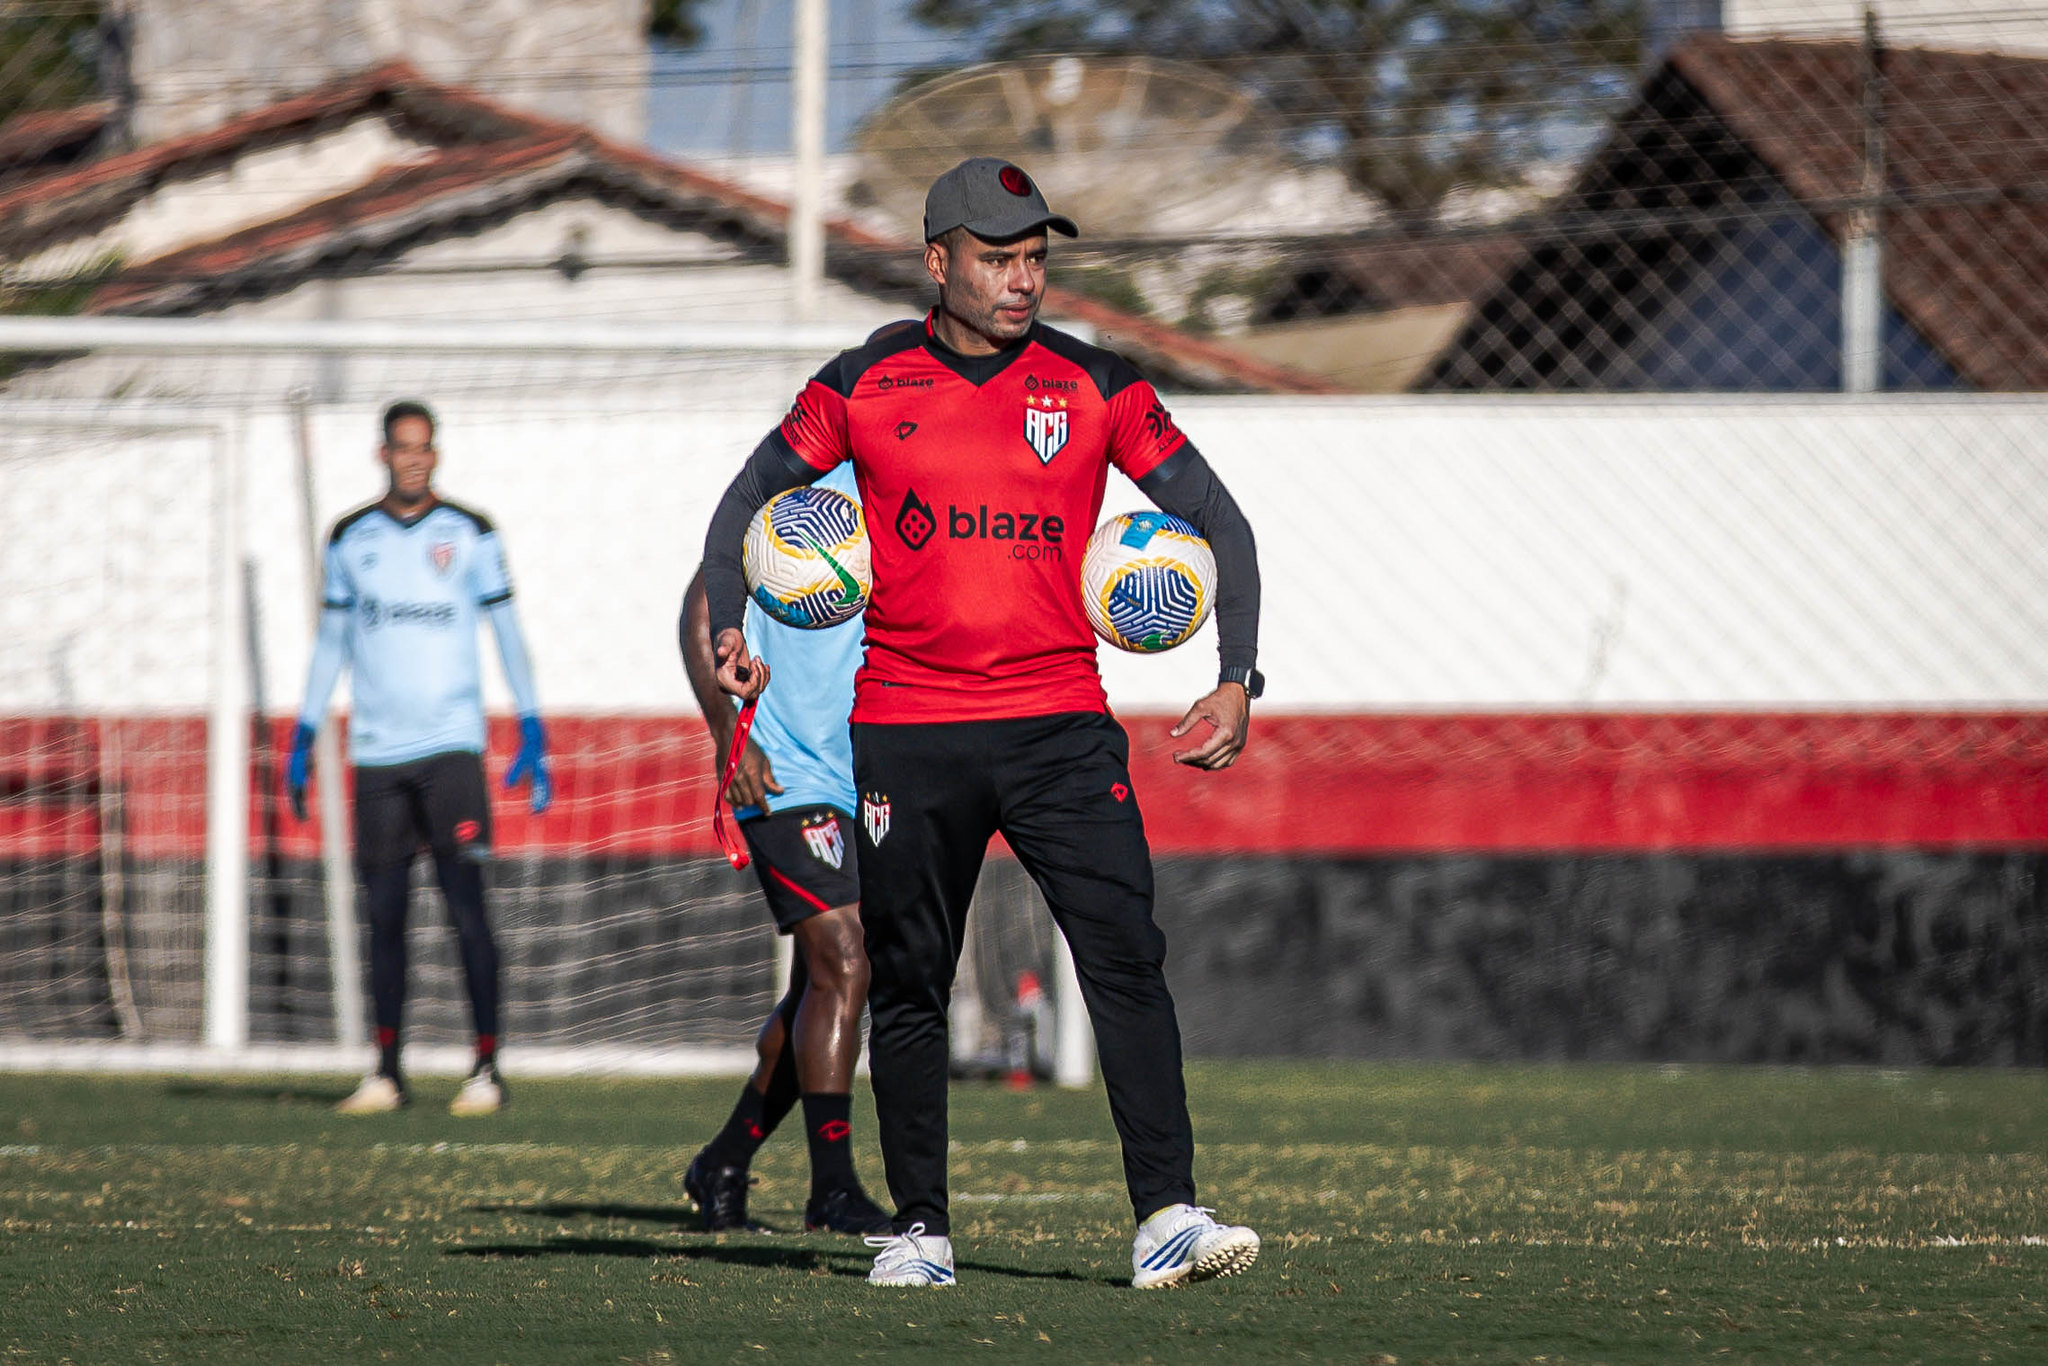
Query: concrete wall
{"type": "Point", "coordinates": [1417, 554]}
{"type": "Point", "coordinates": [581, 60]}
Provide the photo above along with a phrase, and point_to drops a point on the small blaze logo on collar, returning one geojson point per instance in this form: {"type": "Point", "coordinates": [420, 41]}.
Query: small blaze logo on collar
{"type": "Point", "coordinates": [827, 842]}
{"type": "Point", "coordinates": [874, 815]}
{"type": "Point", "coordinates": [443, 554]}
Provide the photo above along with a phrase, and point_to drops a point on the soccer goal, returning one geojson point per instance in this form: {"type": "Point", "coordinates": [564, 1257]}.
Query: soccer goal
{"type": "Point", "coordinates": [168, 482]}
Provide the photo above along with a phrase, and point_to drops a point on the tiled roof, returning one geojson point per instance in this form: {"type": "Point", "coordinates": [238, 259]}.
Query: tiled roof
{"type": "Point", "coordinates": [452, 191]}
{"type": "Point", "coordinates": [75, 200]}
{"type": "Point", "coordinates": [40, 143]}
{"type": "Point", "coordinates": [1732, 135]}
{"type": "Point", "coordinates": [455, 190]}
{"type": "Point", "coordinates": [1966, 162]}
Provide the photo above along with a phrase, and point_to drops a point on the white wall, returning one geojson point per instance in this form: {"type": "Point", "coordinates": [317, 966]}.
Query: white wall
{"type": "Point", "coordinates": [1416, 553]}
{"type": "Point", "coordinates": [1966, 25]}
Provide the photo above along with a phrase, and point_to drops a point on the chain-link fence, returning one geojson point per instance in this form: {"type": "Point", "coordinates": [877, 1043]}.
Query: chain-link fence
{"type": "Point", "coordinates": [1440, 197]}
{"type": "Point", "coordinates": [1585, 709]}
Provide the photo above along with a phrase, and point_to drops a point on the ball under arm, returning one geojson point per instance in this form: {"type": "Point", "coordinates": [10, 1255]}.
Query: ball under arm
{"type": "Point", "coordinates": [773, 467]}
{"type": "Point", "coordinates": [1185, 486]}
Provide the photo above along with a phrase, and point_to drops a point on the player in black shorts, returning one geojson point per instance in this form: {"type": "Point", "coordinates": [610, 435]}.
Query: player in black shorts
{"type": "Point", "coordinates": [793, 797]}
{"type": "Point", "coordinates": [407, 581]}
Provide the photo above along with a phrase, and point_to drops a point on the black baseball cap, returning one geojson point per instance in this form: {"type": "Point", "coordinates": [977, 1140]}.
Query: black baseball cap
{"type": "Point", "coordinates": [991, 199]}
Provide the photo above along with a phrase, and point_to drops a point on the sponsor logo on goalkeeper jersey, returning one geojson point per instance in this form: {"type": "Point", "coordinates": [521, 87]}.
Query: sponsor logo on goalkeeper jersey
{"type": "Point", "coordinates": [874, 815]}
{"type": "Point", "coordinates": [826, 841]}
{"type": "Point", "coordinates": [377, 612]}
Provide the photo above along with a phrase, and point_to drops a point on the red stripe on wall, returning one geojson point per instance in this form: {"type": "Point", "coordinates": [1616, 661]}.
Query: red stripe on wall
{"type": "Point", "coordinates": [1328, 785]}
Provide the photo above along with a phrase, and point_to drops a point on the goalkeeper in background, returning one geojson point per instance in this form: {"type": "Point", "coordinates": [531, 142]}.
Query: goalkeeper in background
{"type": "Point", "coordinates": [406, 579]}
{"type": "Point", "coordinates": [793, 799]}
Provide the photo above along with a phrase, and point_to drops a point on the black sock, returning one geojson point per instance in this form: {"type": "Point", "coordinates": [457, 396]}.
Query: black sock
{"type": "Point", "coordinates": [387, 1053]}
{"type": "Point", "coordinates": [744, 1132]}
{"type": "Point", "coordinates": [783, 1091]}
{"type": "Point", "coordinates": [826, 1124]}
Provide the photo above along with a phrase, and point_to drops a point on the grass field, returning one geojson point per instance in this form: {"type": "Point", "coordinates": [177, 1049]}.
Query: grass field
{"type": "Point", "coordinates": [1411, 1214]}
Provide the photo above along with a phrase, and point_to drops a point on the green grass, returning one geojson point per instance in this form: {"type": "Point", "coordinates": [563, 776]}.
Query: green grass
{"type": "Point", "coordinates": [1411, 1213]}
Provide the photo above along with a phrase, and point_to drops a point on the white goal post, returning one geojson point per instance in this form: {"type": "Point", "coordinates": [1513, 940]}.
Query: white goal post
{"type": "Point", "coordinates": [609, 921]}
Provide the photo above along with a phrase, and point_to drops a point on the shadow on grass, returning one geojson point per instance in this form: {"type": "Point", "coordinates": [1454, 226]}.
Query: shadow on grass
{"type": "Point", "coordinates": [849, 1261]}
{"type": "Point", "coordinates": [679, 1215]}
{"type": "Point", "coordinates": [285, 1094]}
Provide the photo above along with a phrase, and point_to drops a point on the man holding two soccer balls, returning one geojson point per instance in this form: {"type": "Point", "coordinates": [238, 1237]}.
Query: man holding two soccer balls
{"type": "Point", "coordinates": [981, 442]}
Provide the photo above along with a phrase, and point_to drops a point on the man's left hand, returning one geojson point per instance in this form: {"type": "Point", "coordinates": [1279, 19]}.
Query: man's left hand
{"type": "Point", "coordinates": [531, 764]}
{"type": "Point", "coordinates": [1230, 712]}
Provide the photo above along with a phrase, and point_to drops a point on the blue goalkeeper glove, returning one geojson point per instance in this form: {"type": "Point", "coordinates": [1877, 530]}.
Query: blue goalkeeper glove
{"type": "Point", "coordinates": [531, 763]}
{"type": "Point", "coordinates": [296, 772]}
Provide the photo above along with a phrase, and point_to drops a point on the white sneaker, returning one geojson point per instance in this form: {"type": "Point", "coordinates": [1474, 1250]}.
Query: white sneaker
{"type": "Point", "coordinates": [1181, 1243]}
{"type": "Point", "coordinates": [482, 1093]}
{"type": "Point", "coordinates": [377, 1094]}
{"type": "Point", "coordinates": [911, 1258]}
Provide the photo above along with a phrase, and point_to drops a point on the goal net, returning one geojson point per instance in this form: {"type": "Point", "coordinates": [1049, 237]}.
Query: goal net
{"type": "Point", "coordinates": [1630, 690]}
{"type": "Point", "coordinates": [159, 905]}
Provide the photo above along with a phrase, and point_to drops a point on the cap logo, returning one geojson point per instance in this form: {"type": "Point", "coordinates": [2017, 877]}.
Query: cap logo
{"type": "Point", "coordinates": [1015, 181]}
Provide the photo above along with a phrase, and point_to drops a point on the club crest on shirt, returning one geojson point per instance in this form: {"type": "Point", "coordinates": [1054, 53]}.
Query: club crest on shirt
{"type": "Point", "coordinates": [874, 814]}
{"type": "Point", "coordinates": [1045, 429]}
{"type": "Point", "coordinates": [827, 842]}
{"type": "Point", "coordinates": [443, 554]}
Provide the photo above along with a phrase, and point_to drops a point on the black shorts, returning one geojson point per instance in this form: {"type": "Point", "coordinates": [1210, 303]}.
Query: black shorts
{"type": "Point", "coordinates": [806, 861]}
{"type": "Point", "coordinates": [437, 803]}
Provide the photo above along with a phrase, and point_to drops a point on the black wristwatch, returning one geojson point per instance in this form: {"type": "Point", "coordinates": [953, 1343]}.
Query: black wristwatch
{"type": "Point", "coordinates": [1251, 680]}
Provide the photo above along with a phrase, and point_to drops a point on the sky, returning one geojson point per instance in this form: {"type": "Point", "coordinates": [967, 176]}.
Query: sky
{"type": "Point", "coordinates": [730, 93]}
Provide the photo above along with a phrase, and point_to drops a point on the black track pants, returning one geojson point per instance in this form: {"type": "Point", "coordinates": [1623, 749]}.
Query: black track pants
{"type": "Point", "coordinates": [1059, 789]}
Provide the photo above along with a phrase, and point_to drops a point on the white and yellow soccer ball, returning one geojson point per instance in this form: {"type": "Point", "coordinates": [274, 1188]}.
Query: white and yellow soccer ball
{"type": "Point", "coordinates": [1148, 581]}
{"type": "Point", "coordinates": [806, 558]}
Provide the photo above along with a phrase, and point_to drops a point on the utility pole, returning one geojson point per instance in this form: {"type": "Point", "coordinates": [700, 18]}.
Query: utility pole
{"type": "Point", "coordinates": [1863, 243]}
{"type": "Point", "coordinates": [807, 202]}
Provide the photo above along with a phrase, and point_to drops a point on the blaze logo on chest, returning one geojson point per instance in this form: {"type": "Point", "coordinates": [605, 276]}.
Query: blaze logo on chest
{"type": "Point", "coordinates": [915, 520]}
{"type": "Point", "coordinates": [1045, 430]}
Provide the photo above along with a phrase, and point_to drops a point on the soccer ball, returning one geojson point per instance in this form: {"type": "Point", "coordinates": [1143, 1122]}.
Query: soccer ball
{"type": "Point", "coordinates": [806, 558]}
{"type": "Point", "coordinates": [1148, 581]}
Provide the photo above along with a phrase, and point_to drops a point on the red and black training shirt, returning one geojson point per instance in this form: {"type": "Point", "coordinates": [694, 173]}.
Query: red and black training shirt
{"type": "Point", "coordinates": [981, 478]}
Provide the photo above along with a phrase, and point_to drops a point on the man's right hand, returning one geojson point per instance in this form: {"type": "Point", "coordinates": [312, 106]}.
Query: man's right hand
{"type": "Point", "coordinates": [298, 770]}
{"type": "Point", "coordinates": [753, 783]}
{"type": "Point", "coordinates": [739, 673]}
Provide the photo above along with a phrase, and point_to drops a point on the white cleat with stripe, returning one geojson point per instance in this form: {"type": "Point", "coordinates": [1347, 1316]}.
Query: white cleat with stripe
{"type": "Point", "coordinates": [913, 1258]}
{"type": "Point", "coordinates": [1181, 1243]}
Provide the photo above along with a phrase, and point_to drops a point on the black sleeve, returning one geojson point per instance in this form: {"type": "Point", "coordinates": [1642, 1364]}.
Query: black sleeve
{"type": "Point", "coordinates": [773, 467]}
{"type": "Point", "coordinates": [1185, 486]}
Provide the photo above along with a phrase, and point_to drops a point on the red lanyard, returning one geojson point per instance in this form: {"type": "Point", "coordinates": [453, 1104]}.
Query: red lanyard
{"type": "Point", "coordinates": [728, 835]}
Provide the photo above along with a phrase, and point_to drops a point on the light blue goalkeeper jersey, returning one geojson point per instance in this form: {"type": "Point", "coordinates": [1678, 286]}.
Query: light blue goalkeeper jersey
{"type": "Point", "coordinates": [801, 724]}
{"type": "Point", "coordinates": [401, 607]}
